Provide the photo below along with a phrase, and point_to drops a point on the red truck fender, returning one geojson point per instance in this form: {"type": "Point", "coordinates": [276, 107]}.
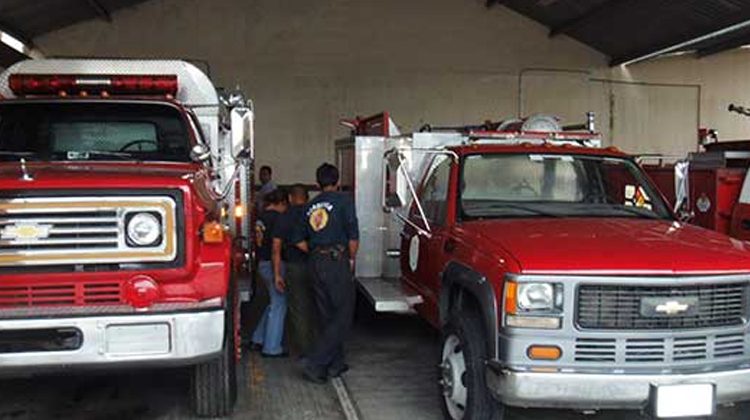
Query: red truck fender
{"type": "Point", "coordinates": [461, 284]}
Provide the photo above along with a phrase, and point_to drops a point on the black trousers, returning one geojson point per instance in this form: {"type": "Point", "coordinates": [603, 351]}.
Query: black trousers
{"type": "Point", "coordinates": [302, 320]}
{"type": "Point", "coordinates": [334, 291]}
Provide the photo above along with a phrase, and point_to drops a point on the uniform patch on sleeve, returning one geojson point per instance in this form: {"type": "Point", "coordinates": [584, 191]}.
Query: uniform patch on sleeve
{"type": "Point", "coordinates": [260, 232]}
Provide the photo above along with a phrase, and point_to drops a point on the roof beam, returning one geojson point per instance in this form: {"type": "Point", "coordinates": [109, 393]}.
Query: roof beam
{"type": "Point", "coordinates": [728, 44]}
{"type": "Point", "coordinates": [19, 35]}
{"type": "Point", "coordinates": [100, 10]}
{"type": "Point", "coordinates": [491, 3]}
{"type": "Point", "coordinates": [586, 17]}
{"type": "Point", "coordinates": [647, 54]}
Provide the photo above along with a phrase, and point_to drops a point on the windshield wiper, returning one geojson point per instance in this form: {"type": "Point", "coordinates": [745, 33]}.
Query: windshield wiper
{"type": "Point", "coordinates": [523, 208]}
{"type": "Point", "coordinates": [638, 211]}
{"type": "Point", "coordinates": [18, 154]}
{"type": "Point", "coordinates": [84, 155]}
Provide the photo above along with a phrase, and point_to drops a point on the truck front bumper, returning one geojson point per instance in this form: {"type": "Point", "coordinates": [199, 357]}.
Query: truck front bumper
{"type": "Point", "coordinates": [603, 391]}
{"type": "Point", "coordinates": [161, 339]}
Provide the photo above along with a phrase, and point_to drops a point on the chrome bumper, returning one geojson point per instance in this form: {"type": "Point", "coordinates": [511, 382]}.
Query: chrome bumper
{"type": "Point", "coordinates": [603, 391]}
{"type": "Point", "coordinates": [156, 338]}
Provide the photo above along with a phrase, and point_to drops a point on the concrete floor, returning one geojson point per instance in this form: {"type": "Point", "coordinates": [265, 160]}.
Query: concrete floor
{"type": "Point", "coordinates": [271, 389]}
{"type": "Point", "coordinates": [392, 378]}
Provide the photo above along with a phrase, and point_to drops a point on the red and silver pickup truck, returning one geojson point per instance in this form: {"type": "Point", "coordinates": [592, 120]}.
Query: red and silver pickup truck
{"type": "Point", "coordinates": [555, 270]}
{"type": "Point", "coordinates": [121, 221]}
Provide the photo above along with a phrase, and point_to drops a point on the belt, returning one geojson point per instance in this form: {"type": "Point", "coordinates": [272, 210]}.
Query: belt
{"type": "Point", "coordinates": [333, 251]}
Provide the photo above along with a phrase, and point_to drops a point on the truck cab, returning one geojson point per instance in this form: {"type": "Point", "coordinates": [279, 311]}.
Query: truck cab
{"type": "Point", "coordinates": [121, 231]}
{"type": "Point", "coordinates": [555, 270]}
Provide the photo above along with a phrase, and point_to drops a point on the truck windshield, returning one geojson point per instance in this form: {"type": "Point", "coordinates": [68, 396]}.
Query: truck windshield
{"type": "Point", "coordinates": [556, 185]}
{"type": "Point", "coordinates": [75, 131]}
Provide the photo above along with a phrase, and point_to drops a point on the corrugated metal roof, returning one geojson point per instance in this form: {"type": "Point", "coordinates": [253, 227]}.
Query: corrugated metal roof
{"type": "Point", "coordinates": [27, 19]}
{"type": "Point", "coordinates": [627, 29]}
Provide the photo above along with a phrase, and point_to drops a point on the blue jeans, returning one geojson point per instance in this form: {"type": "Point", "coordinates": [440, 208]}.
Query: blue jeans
{"type": "Point", "coordinates": [270, 329]}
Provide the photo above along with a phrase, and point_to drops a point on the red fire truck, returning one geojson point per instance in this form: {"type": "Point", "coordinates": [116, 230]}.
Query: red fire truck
{"type": "Point", "coordinates": [555, 270]}
{"type": "Point", "coordinates": [709, 188]}
{"type": "Point", "coordinates": [123, 225]}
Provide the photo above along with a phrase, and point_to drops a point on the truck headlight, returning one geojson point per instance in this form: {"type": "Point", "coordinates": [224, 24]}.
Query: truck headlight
{"type": "Point", "coordinates": [143, 229]}
{"type": "Point", "coordinates": [536, 296]}
{"type": "Point", "coordinates": [533, 305]}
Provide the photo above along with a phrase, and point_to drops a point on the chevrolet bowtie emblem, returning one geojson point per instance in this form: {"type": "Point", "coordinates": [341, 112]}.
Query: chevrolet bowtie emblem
{"type": "Point", "coordinates": [25, 232]}
{"type": "Point", "coordinates": [672, 307]}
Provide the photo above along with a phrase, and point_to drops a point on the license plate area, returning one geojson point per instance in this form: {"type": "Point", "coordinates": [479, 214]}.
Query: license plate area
{"type": "Point", "coordinates": [682, 400]}
{"type": "Point", "coordinates": [138, 339]}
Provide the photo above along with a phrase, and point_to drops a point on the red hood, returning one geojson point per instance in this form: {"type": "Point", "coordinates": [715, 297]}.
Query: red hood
{"type": "Point", "coordinates": [612, 246]}
{"type": "Point", "coordinates": [106, 175]}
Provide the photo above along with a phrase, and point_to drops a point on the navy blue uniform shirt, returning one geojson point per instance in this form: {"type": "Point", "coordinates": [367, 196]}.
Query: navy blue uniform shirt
{"type": "Point", "coordinates": [284, 230]}
{"type": "Point", "coordinates": [263, 228]}
{"type": "Point", "coordinates": [329, 219]}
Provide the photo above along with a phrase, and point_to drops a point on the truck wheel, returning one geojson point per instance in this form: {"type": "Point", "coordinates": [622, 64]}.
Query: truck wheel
{"type": "Point", "coordinates": [214, 383]}
{"type": "Point", "coordinates": [462, 376]}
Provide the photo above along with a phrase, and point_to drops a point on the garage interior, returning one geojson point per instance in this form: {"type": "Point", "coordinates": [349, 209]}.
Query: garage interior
{"type": "Point", "coordinates": [654, 73]}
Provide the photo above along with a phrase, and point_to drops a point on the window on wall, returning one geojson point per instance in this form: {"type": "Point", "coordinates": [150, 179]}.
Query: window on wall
{"type": "Point", "coordinates": [434, 194]}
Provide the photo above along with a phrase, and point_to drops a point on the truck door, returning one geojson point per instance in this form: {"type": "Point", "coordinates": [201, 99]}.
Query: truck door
{"type": "Point", "coordinates": [740, 226]}
{"type": "Point", "coordinates": [425, 252]}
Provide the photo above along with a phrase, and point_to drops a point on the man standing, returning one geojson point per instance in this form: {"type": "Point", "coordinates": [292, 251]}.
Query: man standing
{"type": "Point", "coordinates": [330, 234]}
{"type": "Point", "coordinates": [266, 186]}
{"type": "Point", "coordinates": [302, 320]}
{"type": "Point", "coordinates": [269, 333]}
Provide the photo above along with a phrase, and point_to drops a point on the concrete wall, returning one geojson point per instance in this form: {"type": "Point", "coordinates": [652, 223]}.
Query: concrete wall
{"type": "Point", "coordinates": [309, 63]}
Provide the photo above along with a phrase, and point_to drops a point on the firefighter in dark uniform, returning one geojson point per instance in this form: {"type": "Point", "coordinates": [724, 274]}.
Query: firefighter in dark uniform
{"type": "Point", "coordinates": [330, 234]}
{"type": "Point", "coordinates": [296, 283]}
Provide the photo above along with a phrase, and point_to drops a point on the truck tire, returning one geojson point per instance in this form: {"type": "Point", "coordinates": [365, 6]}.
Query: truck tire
{"type": "Point", "coordinates": [462, 377]}
{"type": "Point", "coordinates": [214, 383]}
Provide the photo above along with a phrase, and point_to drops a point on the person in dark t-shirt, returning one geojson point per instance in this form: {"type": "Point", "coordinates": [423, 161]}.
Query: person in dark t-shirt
{"type": "Point", "coordinates": [269, 333]}
{"type": "Point", "coordinates": [301, 319]}
{"type": "Point", "coordinates": [330, 233]}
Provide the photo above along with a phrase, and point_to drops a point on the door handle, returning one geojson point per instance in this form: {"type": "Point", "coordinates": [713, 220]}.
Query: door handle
{"type": "Point", "coordinates": [745, 223]}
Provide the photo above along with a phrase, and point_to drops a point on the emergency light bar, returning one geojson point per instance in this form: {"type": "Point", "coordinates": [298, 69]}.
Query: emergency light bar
{"type": "Point", "coordinates": [47, 84]}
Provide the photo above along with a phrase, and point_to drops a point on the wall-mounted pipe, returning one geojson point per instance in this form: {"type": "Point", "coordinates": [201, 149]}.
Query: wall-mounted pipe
{"type": "Point", "coordinates": [587, 73]}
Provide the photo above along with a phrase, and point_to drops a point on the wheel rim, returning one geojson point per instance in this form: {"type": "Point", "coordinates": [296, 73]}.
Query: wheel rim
{"type": "Point", "coordinates": [453, 369]}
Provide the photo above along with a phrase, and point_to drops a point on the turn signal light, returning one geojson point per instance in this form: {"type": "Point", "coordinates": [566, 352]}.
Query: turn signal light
{"type": "Point", "coordinates": [511, 293]}
{"type": "Point", "coordinates": [544, 352]}
{"type": "Point", "coordinates": [213, 232]}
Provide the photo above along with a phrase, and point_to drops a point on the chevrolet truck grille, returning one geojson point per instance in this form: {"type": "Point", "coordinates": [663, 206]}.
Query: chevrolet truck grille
{"type": "Point", "coordinates": [84, 230]}
{"type": "Point", "coordinates": [68, 294]}
{"type": "Point", "coordinates": [615, 307]}
{"type": "Point", "coordinates": [659, 351]}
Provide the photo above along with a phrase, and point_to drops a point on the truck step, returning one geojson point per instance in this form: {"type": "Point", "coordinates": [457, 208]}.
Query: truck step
{"type": "Point", "coordinates": [386, 295]}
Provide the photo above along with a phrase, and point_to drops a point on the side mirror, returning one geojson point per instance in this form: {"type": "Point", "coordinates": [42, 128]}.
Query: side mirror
{"type": "Point", "coordinates": [243, 135]}
{"type": "Point", "coordinates": [393, 200]}
{"type": "Point", "coordinates": [682, 189]}
{"type": "Point", "coordinates": [685, 216]}
{"type": "Point", "coordinates": [200, 153]}
{"type": "Point", "coordinates": [393, 160]}
{"type": "Point", "coordinates": [393, 181]}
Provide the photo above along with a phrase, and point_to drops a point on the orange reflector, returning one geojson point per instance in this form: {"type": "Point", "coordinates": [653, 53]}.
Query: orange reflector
{"type": "Point", "coordinates": [511, 289]}
{"type": "Point", "coordinates": [213, 232]}
{"type": "Point", "coordinates": [544, 352]}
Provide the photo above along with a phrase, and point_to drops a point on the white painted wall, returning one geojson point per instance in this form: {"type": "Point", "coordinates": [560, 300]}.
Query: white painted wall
{"type": "Point", "coordinates": [309, 63]}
